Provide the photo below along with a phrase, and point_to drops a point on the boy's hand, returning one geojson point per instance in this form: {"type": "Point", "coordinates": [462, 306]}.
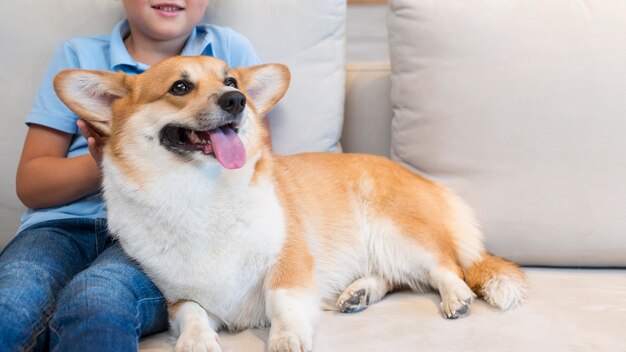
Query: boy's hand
{"type": "Point", "coordinates": [94, 140]}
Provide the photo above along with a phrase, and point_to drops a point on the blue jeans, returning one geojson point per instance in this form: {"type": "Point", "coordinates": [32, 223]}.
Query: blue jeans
{"type": "Point", "coordinates": [66, 286]}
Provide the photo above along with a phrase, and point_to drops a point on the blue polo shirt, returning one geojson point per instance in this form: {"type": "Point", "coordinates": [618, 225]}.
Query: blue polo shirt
{"type": "Point", "coordinates": [108, 53]}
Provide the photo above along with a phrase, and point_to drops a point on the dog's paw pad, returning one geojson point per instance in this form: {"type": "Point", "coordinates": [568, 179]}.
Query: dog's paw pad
{"type": "Point", "coordinates": [456, 310]}
{"type": "Point", "coordinates": [457, 313]}
{"type": "Point", "coordinates": [353, 301]}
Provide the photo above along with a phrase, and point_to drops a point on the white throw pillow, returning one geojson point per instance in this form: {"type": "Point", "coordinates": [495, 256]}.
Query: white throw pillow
{"type": "Point", "coordinates": [308, 37]}
{"type": "Point", "coordinates": [520, 106]}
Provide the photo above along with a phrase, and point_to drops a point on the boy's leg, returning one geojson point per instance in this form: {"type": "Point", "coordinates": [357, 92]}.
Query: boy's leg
{"type": "Point", "coordinates": [107, 307]}
{"type": "Point", "coordinates": [34, 267]}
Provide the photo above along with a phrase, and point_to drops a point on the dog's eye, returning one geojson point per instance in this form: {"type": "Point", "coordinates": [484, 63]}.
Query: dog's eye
{"type": "Point", "coordinates": [181, 88]}
{"type": "Point", "coordinates": [231, 82]}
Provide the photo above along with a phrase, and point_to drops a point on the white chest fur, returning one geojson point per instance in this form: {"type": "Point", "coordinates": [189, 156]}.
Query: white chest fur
{"type": "Point", "coordinates": [205, 235]}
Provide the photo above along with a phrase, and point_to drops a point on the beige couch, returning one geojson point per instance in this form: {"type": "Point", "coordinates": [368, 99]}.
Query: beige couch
{"type": "Point", "coordinates": [516, 105]}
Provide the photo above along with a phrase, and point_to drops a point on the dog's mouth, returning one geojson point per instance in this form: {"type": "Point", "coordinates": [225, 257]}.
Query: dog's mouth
{"type": "Point", "coordinates": [222, 143]}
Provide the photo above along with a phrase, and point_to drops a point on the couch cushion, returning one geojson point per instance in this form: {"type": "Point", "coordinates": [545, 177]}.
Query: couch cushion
{"type": "Point", "coordinates": [567, 310]}
{"type": "Point", "coordinates": [307, 36]}
{"type": "Point", "coordinates": [519, 107]}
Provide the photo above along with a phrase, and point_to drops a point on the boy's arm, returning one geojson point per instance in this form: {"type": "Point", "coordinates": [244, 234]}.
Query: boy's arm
{"type": "Point", "coordinates": [46, 177]}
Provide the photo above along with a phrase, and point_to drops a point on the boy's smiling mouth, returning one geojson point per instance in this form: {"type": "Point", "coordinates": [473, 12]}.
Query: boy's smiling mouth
{"type": "Point", "coordinates": [168, 9]}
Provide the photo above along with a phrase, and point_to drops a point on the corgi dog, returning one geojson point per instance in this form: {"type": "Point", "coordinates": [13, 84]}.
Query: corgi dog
{"type": "Point", "coordinates": [236, 236]}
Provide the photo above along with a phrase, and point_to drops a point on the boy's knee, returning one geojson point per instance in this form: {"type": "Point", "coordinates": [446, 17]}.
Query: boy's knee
{"type": "Point", "coordinates": [27, 302]}
{"type": "Point", "coordinates": [94, 294]}
{"type": "Point", "coordinates": [106, 283]}
{"type": "Point", "coordinates": [28, 286]}
{"type": "Point", "coordinates": [106, 297]}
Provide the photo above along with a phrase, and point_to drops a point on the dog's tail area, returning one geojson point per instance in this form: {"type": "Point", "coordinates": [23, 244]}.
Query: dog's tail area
{"type": "Point", "coordinates": [498, 281]}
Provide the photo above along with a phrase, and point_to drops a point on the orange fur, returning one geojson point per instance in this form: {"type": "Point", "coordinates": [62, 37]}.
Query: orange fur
{"type": "Point", "coordinates": [172, 308]}
{"type": "Point", "coordinates": [329, 196]}
{"type": "Point", "coordinates": [490, 268]}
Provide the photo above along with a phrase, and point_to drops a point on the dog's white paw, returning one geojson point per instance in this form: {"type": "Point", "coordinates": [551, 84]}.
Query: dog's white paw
{"type": "Point", "coordinates": [198, 341]}
{"type": "Point", "coordinates": [353, 301]}
{"type": "Point", "coordinates": [289, 342]}
{"type": "Point", "coordinates": [361, 293]}
{"type": "Point", "coordinates": [456, 300]}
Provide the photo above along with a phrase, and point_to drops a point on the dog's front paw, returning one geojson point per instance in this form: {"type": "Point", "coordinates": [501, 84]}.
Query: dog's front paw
{"type": "Point", "coordinates": [202, 341]}
{"type": "Point", "coordinates": [289, 342]}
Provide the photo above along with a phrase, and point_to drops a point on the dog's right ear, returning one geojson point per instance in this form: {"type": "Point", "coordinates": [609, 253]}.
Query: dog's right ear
{"type": "Point", "coordinates": [90, 94]}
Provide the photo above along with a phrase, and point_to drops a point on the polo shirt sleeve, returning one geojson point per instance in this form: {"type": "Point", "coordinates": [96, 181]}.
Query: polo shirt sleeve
{"type": "Point", "coordinates": [242, 52]}
{"type": "Point", "coordinates": [48, 110]}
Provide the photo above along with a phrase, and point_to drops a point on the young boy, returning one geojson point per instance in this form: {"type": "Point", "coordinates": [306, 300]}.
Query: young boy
{"type": "Point", "coordinates": [64, 284]}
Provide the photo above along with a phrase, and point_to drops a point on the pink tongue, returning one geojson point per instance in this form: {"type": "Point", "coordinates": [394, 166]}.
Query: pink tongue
{"type": "Point", "coordinates": [228, 148]}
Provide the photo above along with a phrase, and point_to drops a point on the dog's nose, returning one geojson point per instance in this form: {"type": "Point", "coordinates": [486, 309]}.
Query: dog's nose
{"type": "Point", "coordinates": [233, 102]}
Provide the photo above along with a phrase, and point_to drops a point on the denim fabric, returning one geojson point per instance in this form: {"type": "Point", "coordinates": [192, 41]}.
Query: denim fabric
{"type": "Point", "coordinates": [66, 286]}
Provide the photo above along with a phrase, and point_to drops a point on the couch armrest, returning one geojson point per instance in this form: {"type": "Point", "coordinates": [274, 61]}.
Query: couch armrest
{"type": "Point", "coordinates": [367, 123]}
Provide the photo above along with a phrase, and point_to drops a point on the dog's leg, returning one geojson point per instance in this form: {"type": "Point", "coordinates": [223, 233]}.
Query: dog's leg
{"type": "Point", "coordinates": [291, 312]}
{"type": "Point", "coordinates": [363, 292]}
{"type": "Point", "coordinates": [194, 328]}
{"type": "Point", "coordinates": [292, 301]}
{"type": "Point", "coordinates": [456, 296]}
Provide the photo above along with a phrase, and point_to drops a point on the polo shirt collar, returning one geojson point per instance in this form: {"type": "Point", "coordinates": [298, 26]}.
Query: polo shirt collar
{"type": "Point", "coordinates": [197, 44]}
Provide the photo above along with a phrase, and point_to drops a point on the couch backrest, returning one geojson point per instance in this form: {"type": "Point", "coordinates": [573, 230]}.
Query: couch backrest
{"type": "Point", "coordinates": [519, 106]}
{"type": "Point", "coordinates": [368, 113]}
{"type": "Point", "coordinates": [307, 36]}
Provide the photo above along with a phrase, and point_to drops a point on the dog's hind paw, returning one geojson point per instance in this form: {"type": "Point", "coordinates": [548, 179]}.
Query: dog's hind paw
{"type": "Point", "coordinates": [455, 311]}
{"type": "Point", "coordinates": [352, 302]}
{"type": "Point", "coordinates": [456, 301]}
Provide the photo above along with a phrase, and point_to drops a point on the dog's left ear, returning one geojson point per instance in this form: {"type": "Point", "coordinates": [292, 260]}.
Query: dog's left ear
{"type": "Point", "coordinates": [265, 84]}
{"type": "Point", "coordinates": [90, 94]}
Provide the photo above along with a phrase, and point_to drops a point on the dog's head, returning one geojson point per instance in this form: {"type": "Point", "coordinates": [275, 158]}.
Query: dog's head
{"type": "Point", "coordinates": [187, 108]}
